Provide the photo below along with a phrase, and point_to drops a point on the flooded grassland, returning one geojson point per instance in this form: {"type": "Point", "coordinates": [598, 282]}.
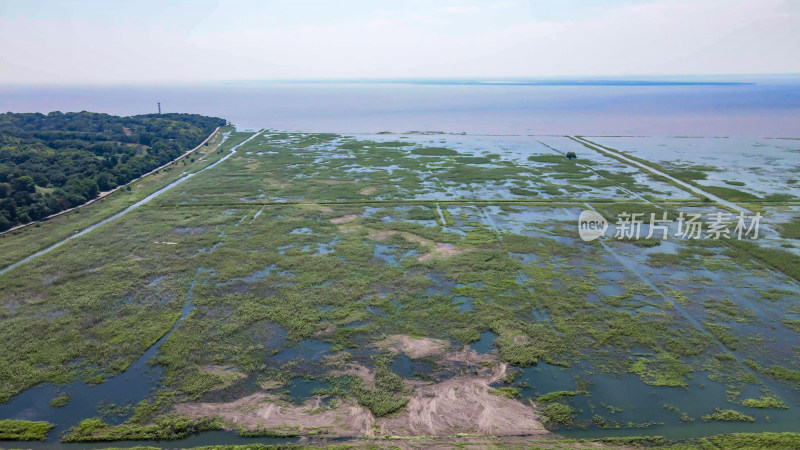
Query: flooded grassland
{"type": "Point", "coordinates": [417, 285]}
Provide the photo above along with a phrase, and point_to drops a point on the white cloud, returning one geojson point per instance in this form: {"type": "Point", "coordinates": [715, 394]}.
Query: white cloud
{"type": "Point", "coordinates": [461, 9]}
{"type": "Point", "coordinates": [264, 40]}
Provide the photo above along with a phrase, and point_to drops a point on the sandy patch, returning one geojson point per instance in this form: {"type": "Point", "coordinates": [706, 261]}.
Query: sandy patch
{"type": "Point", "coordinates": [381, 235]}
{"type": "Point", "coordinates": [332, 182]}
{"type": "Point", "coordinates": [441, 250]}
{"type": "Point", "coordinates": [451, 408]}
{"type": "Point", "coordinates": [414, 347]}
{"type": "Point", "coordinates": [264, 411]}
{"type": "Point", "coordinates": [463, 404]}
{"type": "Point", "coordinates": [368, 190]}
{"type": "Point", "coordinates": [438, 250]}
{"type": "Point", "coordinates": [467, 355]}
{"type": "Point", "coordinates": [276, 183]}
{"type": "Point", "coordinates": [344, 219]}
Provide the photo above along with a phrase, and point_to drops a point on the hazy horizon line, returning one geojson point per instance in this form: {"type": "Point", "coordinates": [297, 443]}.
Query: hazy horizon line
{"type": "Point", "coordinates": [518, 80]}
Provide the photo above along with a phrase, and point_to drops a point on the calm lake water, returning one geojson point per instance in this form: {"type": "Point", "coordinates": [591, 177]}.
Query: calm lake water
{"type": "Point", "coordinates": [770, 107]}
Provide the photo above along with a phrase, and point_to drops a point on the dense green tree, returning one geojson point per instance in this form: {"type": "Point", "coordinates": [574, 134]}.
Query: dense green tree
{"type": "Point", "coordinates": [23, 184]}
{"type": "Point", "coordinates": [105, 181]}
{"type": "Point", "coordinates": [74, 156]}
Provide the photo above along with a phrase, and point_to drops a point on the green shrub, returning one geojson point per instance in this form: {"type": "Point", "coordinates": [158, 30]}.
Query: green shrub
{"type": "Point", "coordinates": [764, 402]}
{"type": "Point", "coordinates": [559, 414]}
{"type": "Point", "coordinates": [60, 401]}
{"type": "Point", "coordinates": [165, 428]}
{"type": "Point", "coordinates": [420, 213]}
{"type": "Point", "coordinates": [727, 415]}
{"type": "Point", "coordinates": [23, 430]}
{"type": "Point", "coordinates": [387, 397]}
{"type": "Point", "coordinates": [507, 392]}
{"type": "Point", "coordinates": [553, 396]}
{"type": "Point", "coordinates": [666, 370]}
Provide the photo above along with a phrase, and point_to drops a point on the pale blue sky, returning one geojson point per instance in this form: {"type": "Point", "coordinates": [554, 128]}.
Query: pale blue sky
{"type": "Point", "coordinates": [103, 41]}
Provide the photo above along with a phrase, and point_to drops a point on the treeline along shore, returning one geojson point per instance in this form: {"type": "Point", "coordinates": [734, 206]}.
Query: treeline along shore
{"type": "Point", "coordinates": [53, 162]}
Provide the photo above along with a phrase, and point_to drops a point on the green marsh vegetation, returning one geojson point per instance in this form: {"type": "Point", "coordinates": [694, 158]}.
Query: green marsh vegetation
{"type": "Point", "coordinates": [388, 395]}
{"type": "Point", "coordinates": [790, 230]}
{"type": "Point", "coordinates": [764, 402]}
{"type": "Point", "coordinates": [508, 392]}
{"type": "Point", "coordinates": [302, 249]}
{"type": "Point", "coordinates": [434, 151]}
{"type": "Point", "coordinates": [164, 428]}
{"type": "Point", "coordinates": [559, 414]}
{"type": "Point", "coordinates": [776, 259]}
{"type": "Point", "coordinates": [552, 396]}
{"type": "Point", "coordinates": [24, 430]}
{"type": "Point", "coordinates": [727, 415]}
{"type": "Point", "coordinates": [60, 401]}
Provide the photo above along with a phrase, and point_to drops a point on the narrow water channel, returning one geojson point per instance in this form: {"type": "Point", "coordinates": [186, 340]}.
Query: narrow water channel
{"type": "Point", "coordinates": [138, 381]}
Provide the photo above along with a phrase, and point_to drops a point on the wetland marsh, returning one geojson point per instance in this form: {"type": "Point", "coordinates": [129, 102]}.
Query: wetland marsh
{"type": "Point", "coordinates": [423, 284]}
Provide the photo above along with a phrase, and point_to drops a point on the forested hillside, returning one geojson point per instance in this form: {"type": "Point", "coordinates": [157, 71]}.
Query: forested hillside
{"type": "Point", "coordinates": [52, 162]}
